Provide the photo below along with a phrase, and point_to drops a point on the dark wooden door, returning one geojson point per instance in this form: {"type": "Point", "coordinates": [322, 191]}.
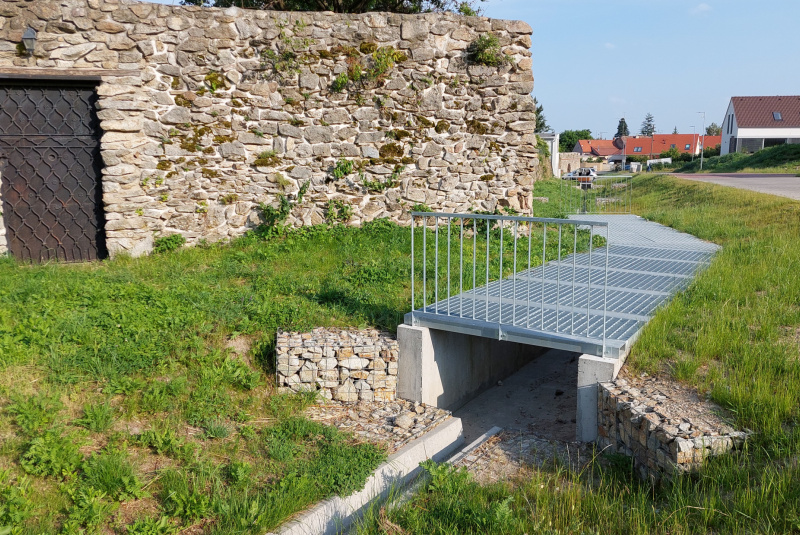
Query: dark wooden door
{"type": "Point", "coordinates": [50, 165]}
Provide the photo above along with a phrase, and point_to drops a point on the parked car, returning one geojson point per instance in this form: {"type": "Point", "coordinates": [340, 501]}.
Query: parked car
{"type": "Point", "coordinates": [584, 174]}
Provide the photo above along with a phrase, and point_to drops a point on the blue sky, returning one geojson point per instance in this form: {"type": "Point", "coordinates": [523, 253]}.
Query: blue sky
{"type": "Point", "coordinates": [595, 61]}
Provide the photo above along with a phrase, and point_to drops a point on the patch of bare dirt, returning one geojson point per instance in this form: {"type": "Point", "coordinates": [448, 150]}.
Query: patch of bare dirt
{"type": "Point", "coordinates": [509, 454]}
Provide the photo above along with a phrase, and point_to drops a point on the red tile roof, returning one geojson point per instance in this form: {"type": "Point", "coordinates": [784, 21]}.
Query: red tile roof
{"type": "Point", "coordinates": [756, 112]}
{"type": "Point", "coordinates": [647, 146]}
{"type": "Point", "coordinates": [663, 142]}
{"type": "Point", "coordinates": [588, 146]}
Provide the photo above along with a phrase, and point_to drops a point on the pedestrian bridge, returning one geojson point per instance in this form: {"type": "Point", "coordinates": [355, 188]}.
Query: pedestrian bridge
{"type": "Point", "coordinates": [592, 300]}
{"type": "Point", "coordinates": [494, 293]}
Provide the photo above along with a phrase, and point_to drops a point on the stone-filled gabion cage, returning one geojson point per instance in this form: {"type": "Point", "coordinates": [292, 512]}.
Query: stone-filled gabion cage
{"type": "Point", "coordinates": [342, 365]}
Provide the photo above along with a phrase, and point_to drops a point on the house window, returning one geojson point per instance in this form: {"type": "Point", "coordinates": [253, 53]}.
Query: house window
{"type": "Point", "coordinates": [688, 146]}
{"type": "Point", "coordinates": [672, 146]}
{"type": "Point", "coordinates": [777, 116]}
{"type": "Point", "coordinates": [637, 149]}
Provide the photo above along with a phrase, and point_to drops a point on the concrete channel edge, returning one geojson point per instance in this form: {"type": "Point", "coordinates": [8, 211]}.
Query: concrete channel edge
{"type": "Point", "coordinates": [337, 514]}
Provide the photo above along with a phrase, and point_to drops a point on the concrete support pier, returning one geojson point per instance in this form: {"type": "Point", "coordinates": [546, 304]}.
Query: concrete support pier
{"type": "Point", "coordinates": [447, 369]}
{"type": "Point", "coordinates": [592, 370]}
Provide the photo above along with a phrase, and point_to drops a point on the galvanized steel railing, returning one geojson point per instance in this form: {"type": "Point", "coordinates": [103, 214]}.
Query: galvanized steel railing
{"type": "Point", "coordinates": [604, 194]}
{"type": "Point", "coordinates": [473, 288]}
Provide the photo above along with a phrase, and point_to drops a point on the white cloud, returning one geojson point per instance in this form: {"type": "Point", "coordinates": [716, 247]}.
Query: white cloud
{"type": "Point", "coordinates": [610, 46]}
{"type": "Point", "coordinates": [700, 9]}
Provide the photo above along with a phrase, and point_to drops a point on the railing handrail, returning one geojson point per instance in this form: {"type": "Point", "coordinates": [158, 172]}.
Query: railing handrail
{"type": "Point", "coordinates": [599, 177]}
{"type": "Point", "coordinates": [556, 221]}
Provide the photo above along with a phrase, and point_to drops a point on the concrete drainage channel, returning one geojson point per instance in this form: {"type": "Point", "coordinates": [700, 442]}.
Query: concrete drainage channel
{"type": "Point", "coordinates": [338, 514]}
{"type": "Point", "coordinates": [539, 397]}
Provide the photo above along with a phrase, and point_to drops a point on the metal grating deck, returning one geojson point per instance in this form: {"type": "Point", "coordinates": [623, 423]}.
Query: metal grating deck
{"type": "Point", "coordinates": [549, 305]}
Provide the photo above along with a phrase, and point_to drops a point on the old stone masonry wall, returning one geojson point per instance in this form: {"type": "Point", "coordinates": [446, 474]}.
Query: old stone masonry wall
{"type": "Point", "coordinates": [206, 113]}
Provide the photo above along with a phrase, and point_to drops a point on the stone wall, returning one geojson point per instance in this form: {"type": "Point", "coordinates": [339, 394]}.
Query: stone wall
{"type": "Point", "coordinates": [641, 425]}
{"type": "Point", "coordinates": [343, 365]}
{"type": "Point", "coordinates": [568, 162]}
{"type": "Point", "coordinates": [206, 113]}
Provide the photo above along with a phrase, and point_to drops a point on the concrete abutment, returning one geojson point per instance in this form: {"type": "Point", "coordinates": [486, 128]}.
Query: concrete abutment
{"type": "Point", "coordinates": [447, 369]}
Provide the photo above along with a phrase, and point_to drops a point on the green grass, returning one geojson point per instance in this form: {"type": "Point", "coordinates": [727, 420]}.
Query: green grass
{"type": "Point", "coordinates": [778, 159]}
{"type": "Point", "coordinates": [134, 356]}
{"type": "Point", "coordinates": [733, 334]}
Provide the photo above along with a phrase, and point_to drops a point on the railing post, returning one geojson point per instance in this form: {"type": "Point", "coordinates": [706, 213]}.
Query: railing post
{"type": "Point", "coordinates": [412, 267]}
{"type": "Point", "coordinates": [424, 264]}
{"type": "Point", "coordinates": [589, 280]}
{"type": "Point", "coordinates": [605, 288]}
{"type": "Point", "coordinates": [449, 220]}
{"type": "Point", "coordinates": [436, 268]}
{"type": "Point", "coordinates": [461, 271]}
{"type": "Point", "coordinates": [514, 285]}
{"type": "Point", "coordinates": [544, 259]}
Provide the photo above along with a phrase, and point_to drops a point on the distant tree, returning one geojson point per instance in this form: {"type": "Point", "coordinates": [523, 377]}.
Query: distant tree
{"type": "Point", "coordinates": [622, 129]}
{"type": "Point", "coordinates": [673, 153]}
{"type": "Point", "coordinates": [346, 6]}
{"type": "Point", "coordinates": [648, 125]}
{"type": "Point", "coordinates": [541, 121]}
{"type": "Point", "coordinates": [569, 138]}
{"type": "Point", "coordinates": [675, 130]}
{"type": "Point", "coordinates": [713, 130]}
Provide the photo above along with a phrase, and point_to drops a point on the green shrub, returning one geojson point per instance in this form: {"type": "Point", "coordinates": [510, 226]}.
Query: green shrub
{"type": "Point", "coordinates": [216, 429]}
{"type": "Point", "coordinates": [166, 244]}
{"type": "Point", "coordinates": [97, 418]}
{"type": "Point", "coordinates": [239, 374]}
{"type": "Point", "coordinates": [485, 50]}
{"type": "Point", "coordinates": [181, 495]}
{"type": "Point", "coordinates": [112, 473]}
{"type": "Point", "coordinates": [238, 472]}
{"type": "Point", "coordinates": [15, 505]}
{"type": "Point", "coordinates": [339, 211]}
{"type": "Point", "coordinates": [165, 442]}
{"type": "Point", "coordinates": [421, 207]}
{"type": "Point", "coordinates": [89, 510]}
{"type": "Point", "coordinates": [342, 169]}
{"type": "Point", "coordinates": [152, 526]}
{"type": "Point", "coordinates": [162, 396]}
{"type": "Point", "coordinates": [34, 413]}
{"type": "Point", "coordinates": [340, 83]}
{"type": "Point", "coordinates": [51, 454]}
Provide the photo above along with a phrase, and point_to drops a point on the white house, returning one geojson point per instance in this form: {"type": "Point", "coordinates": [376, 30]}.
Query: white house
{"type": "Point", "coordinates": [754, 123]}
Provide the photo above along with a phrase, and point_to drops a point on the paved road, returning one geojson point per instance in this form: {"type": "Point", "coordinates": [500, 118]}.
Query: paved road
{"type": "Point", "coordinates": [782, 185]}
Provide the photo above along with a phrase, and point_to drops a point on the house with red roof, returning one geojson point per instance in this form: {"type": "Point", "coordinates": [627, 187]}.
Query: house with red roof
{"type": "Point", "coordinates": [755, 123]}
{"type": "Point", "coordinates": [615, 149]}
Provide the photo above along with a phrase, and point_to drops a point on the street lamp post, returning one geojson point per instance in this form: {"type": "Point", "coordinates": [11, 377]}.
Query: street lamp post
{"type": "Point", "coordinates": [703, 146]}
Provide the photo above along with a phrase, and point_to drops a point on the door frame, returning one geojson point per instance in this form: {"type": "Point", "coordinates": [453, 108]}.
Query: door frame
{"type": "Point", "coordinates": [37, 78]}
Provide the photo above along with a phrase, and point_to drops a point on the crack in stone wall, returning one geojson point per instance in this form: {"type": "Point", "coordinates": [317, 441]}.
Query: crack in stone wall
{"type": "Point", "coordinates": [202, 123]}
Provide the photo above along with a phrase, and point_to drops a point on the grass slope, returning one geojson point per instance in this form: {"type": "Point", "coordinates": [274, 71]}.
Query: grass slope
{"type": "Point", "coordinates": [778, 159]}
{"type": "Point", "coordinates": [735, 335]}
{"type": "Point", "coordinates": [125, 408]}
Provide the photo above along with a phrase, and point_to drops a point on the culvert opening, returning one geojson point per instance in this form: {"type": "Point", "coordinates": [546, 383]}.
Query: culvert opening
{"type": "Point", "coordinates": [539, 399]}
